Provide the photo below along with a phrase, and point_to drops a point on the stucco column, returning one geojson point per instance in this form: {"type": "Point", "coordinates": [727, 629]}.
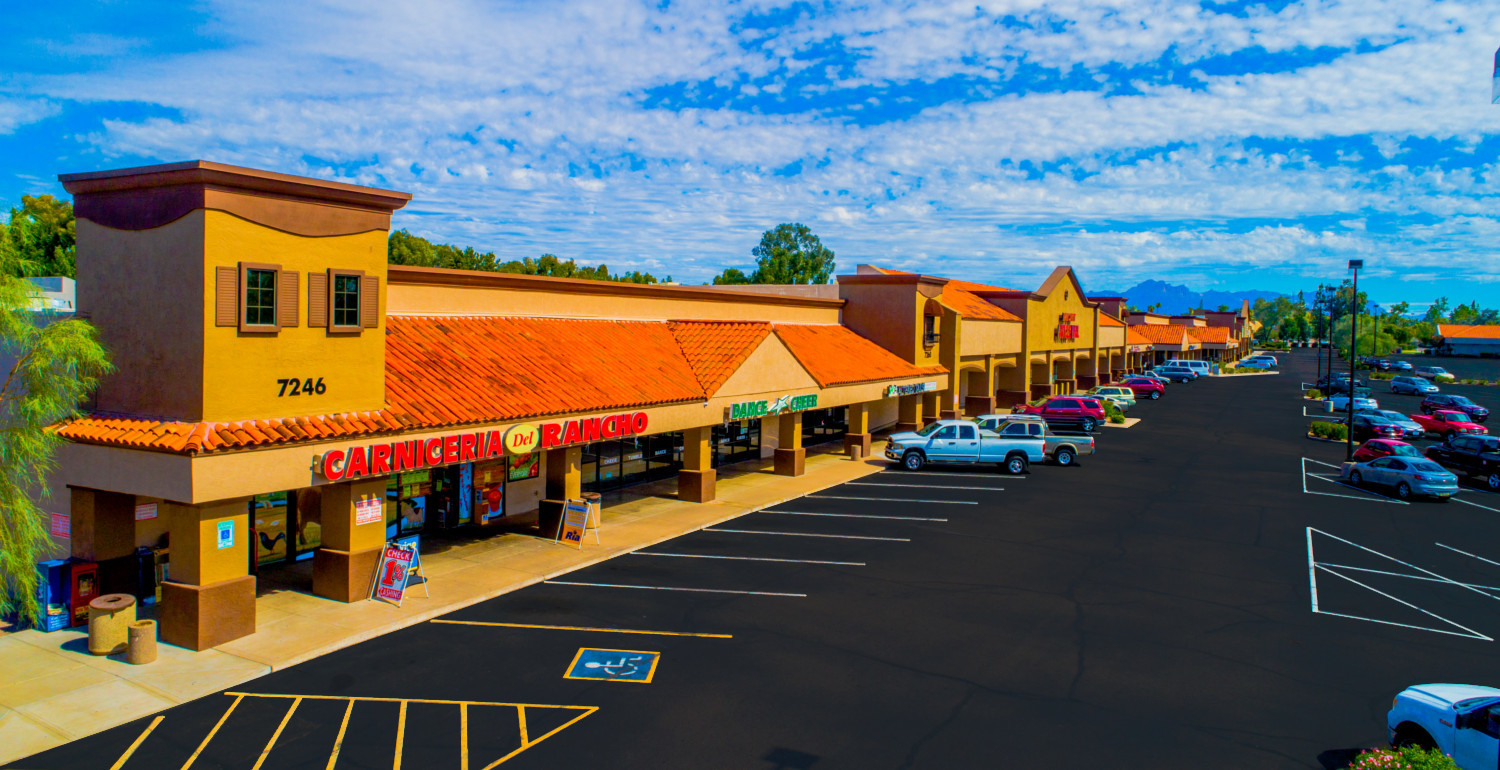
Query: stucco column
{"type": "Point", "coordinates": [697, 479]}
{"type": "Point", "coordinates": [564, 471]}
{"type": "Point", "coordinates": [790, 456]}
{"type": "Point", "coordinates": [345, 564]}
{"type": "Point", "coordinates": [102, 530]}
{"type": "Point", "coordinates": [981, 398]}
{"type": "Point", "coordinates": [857, 435]}
{"type": "Point", "coordinates": [932, 405]}
{"type": "Point", "coordinates": [908, 413]}
{"type": "Point", "coordinates": [209, 596]}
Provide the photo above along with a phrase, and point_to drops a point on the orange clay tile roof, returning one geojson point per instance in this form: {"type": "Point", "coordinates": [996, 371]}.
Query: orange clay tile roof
{"type": "Point", "coordinates": [715, 349]}
{"type": "Point", "coordinates": [834, 355]}
{"type": "Point", "coordinates": [1105, 319]}
{"type": "Point", "coordinates": [194, 437]}
{"type": "Point", "coordinates": [450, 370]}
{"type": "Point", "coordinates": [1212, 335]}
{"type": "Point", "coordinates": [959, 296]}
{"type": "Point", "coordinates": [1469, 332]}
{"type": "Point", "coordinates": [1161, 334]}
{"type": "Point", "coordinates": [1133, 337]}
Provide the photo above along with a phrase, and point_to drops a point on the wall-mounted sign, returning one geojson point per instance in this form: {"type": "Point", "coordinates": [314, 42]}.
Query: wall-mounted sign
{"type": "Point", "coordinates": [384, 459]}
{"type": "Point", "coordinates": [145, 511]}
{"type": "Point", "coordinates": [369, 511]}
{"type": "Point", "coordinates": [1067, 329]}
{"type": "Point", "coordinates": [62, 525]}
{"type": "Point", "coordinates": [522, 439]}
{"type": "Point", "coordinates": [225, 537]}
{"type": "Point", "coordinates": [747, 409]}
{"type": "Point", "coordinates": [910, 390]}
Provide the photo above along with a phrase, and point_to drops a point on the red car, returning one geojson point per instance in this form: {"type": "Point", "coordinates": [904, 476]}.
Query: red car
{"type": "Point", "coordinates": [1068, 412]}
{"type": "Point", "coordinates": [1447, 423]}
{"type": "Point", "coordinates": [1384, 447]}
{"type": "Point", "coordinates": [1144, 388]}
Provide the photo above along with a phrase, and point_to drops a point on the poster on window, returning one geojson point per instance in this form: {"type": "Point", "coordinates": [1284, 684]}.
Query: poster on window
{"type": "Point", "coordinates": [524, 467]}
{"type": "Point", "coordinates": [369, 511]}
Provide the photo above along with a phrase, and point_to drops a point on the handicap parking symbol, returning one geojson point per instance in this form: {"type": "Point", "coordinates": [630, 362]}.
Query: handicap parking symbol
{"type": "Point", "coordinates": [613, 665]}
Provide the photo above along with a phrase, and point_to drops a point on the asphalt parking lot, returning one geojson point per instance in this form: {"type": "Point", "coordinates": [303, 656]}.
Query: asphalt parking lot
{"type": "Point", "coordinates": [1198, 594]}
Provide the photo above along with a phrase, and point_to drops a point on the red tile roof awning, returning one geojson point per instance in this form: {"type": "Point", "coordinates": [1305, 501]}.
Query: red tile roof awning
{"type": "Point", "coordinates": [834, 355]}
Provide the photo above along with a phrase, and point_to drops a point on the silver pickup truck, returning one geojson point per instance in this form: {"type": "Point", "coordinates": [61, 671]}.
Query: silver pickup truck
{"type": "Point", "coordinates": [1061, 448]}
{"type": "Point", "coordinates": [962, 442]}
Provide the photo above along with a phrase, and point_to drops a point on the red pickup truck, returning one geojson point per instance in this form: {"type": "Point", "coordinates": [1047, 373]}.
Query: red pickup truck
{"type": "Point", "coordinates": [1144, 388]}
{"type": "Point", "coordinates": [1447, 423]}
{"type": "Point", "coordinates": [1067, 412]}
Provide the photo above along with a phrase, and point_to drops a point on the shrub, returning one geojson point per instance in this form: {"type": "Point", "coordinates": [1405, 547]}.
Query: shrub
{"type": "Point", "coordinates": [1408, 757]}
{"type": "Point", "coordinates": [1330, 430]}
{"type": "Point", "coordinates": [1314, 393]}
{"type": "Point", "coordinates": [1113, 413]}
{"type": "Point", "coordinates": [1381, 375]}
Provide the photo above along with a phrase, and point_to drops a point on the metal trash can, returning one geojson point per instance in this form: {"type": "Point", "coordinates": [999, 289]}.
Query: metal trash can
{"type": "Point", "coordinates": [142, 646]}
{"type": "Point", "coordinates": [110, 617]}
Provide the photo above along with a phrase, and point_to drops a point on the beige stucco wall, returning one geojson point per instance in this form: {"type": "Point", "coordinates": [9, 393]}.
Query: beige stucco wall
{"type": "Point", "coordinates": [424, 299]}
{"type": "Point", "coordinates": [981, 337]}
{"type": "Point", "coordinates": [770, 367]}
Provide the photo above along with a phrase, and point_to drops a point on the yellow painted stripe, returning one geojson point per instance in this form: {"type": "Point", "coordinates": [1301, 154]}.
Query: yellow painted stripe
{"type": "Point", "coordinates": [211, 733]}
{"type": "Point", "coordinates": [463, 736]}
{"type": "Point", "coordinates": [339, 741]}
{"type": "Point", "coordinates": [400, 735]}
{"type": "Point", "coordinates": [405, 700]}
{"type": "Point", "coordinates": [550, 733]}
{"type": "Point", "coordinates": [276, 735]}
{"type": "Point", "coordinates": [119, 763]}
{"type": "Point", "coordinates": [584, 628]}
{"type": "Point", "coordinates": [521, 716]}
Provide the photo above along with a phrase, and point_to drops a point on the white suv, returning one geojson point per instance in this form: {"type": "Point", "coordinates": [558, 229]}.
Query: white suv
{"type": "Point", "coordinates": [1201, 367]}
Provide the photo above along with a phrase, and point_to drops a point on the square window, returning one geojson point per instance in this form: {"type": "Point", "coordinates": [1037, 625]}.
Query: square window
{"type": "Point", "coordinates": [260, 297]}
{"type": "Point", "coordinates": [346, 301]}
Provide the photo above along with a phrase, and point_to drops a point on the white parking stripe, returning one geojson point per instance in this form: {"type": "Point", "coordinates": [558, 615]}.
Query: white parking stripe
{"type": "Point", "coordinates": [1466, 553]}
{"type": "Point", "coordinates": [891, 499]}
{"type": "Point", "coordinates": [670, 588]}
{"type": "Point", "coordinates": [1472, 633]}
{"type": "Point", "coordinates": [1409, 577]}
{"type": "Point", "coordinates": [1402, 563]}
{"type": "Point", "coordinates": [749, 558]}
{"type": "Point", "coordinates": [1458, 499]}
{"type": "Point", "coordinates": [805, 534]}
{"type": "Point", "coordinates": [919, 486]}
{"type": "Point", "coordinates": [976, 475]}
{"type": "Point", "coordinates": [855, 516]}
{"type": "Point", "coordinates": [1379, 498]}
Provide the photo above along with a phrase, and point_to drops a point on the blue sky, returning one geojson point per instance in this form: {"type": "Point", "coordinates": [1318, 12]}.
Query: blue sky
{"type": "Point", "coordinates": [1224, 144]}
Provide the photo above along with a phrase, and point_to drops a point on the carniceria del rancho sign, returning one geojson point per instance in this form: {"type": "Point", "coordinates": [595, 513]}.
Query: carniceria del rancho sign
{"type": "Point", "coordinates": [747, 409]}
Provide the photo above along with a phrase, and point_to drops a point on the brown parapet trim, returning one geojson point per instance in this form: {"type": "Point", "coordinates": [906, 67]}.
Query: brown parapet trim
{"type": "Point", "coordinates": [895, 279]}
{"type": "Point", "coordinates": [236, 177]}
{"type": "Point", "coordinates": [438, 276]}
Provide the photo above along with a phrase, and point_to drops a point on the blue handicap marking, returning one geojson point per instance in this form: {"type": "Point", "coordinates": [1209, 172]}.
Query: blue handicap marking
{"type": "Point", "coordinates": [613, 665]}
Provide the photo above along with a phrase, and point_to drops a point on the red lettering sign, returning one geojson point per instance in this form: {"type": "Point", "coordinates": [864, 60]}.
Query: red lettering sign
{"type": "Point", "coordinates": [396, 457]}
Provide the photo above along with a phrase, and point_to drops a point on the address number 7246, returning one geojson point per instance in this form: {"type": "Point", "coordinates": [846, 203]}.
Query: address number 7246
{"type": "Point", "coordinates": [299, 387]}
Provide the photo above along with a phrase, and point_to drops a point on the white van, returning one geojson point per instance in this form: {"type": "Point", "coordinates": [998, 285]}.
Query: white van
{"type": "Point", "coordinates": [1203, 368]}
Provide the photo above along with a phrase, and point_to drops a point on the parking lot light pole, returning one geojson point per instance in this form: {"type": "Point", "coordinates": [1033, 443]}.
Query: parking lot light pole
{"type": "Point", "coordinates": [1354, 265]}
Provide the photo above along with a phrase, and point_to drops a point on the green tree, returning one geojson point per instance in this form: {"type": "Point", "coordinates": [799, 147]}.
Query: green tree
{"type": "Point", "coordinates": [1223, 308]}
{"type": "Point", "coordinates": [56, 365]}
{"type": "Point", "coordinates": [792, 254]}
{"type": "Point", "coordinates": [732, 276]}
{"type": "Point", "coordinates": [39, 238]}
{"type": "Point", "coordinates": [1437, 311]}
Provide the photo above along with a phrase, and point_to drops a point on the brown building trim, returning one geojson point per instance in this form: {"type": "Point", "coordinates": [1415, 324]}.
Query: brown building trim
{"type": "Point", "coordinates": [437, 276]}
{"type": "Point", "coordinates": [151, 196]}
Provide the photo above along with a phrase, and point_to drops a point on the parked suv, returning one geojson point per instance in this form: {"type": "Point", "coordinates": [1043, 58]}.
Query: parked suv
{"type": "Point", "coordinates": [1067, 412]}
{"type": "Point", "coordinates": [1176, 373]}
{"type": "Point", "coordinates": [1413, 385]}
{"type": "Point", "coordinates": [1434, 373]}
{"type": "Point", "coordinates": [1338, 383]}
{"type": "Point", "coordinates": [1454, 403]}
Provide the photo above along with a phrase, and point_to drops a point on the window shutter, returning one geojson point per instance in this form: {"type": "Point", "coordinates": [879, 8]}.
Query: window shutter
{"type": "Point", "coordinates": [369, 302]}
{"type": "Point", "coordinates": [317, 299]}
{"type": "Point", "coordinates": [226, 296]}
{"type": "Point", "coordinates": [286, 298]}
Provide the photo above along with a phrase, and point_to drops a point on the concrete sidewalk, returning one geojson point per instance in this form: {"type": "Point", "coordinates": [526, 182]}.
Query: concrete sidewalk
{"type": "Point", "coordinates": [53, 691]}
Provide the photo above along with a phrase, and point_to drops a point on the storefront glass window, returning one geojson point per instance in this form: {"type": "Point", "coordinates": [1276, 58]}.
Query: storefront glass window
{"type": "Point", "coordinates": [736, 441]}
{"type": "Point", "coordinates": [270, 516]}
{"type": "Point", "coordinates": [823, 425]}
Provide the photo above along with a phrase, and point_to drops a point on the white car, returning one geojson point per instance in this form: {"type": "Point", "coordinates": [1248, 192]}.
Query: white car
{"type": "Point", "coordinates": [1120, 395]}
{"type": "Point", "coordinates": [1340, 403]}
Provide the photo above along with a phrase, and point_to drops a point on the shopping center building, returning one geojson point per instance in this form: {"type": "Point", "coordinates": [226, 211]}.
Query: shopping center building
{"type": "Point", "coordinates": [282, 393]}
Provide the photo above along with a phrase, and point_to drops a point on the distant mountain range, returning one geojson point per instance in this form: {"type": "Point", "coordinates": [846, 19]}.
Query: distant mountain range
{"type": "Point", "coordinates": [1178, 299]}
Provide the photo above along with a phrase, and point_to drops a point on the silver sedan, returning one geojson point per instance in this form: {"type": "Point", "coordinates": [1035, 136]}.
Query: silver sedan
{"type": "Point", "coordinates": [1407, 475]}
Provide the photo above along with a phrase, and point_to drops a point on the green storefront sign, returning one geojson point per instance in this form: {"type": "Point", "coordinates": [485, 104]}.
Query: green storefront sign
{"type": "Point", "coordinates": [748, 409]}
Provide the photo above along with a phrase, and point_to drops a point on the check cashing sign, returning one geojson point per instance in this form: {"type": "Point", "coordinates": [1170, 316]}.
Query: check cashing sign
{"type": "Point", "coordinates": [393, 571]}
